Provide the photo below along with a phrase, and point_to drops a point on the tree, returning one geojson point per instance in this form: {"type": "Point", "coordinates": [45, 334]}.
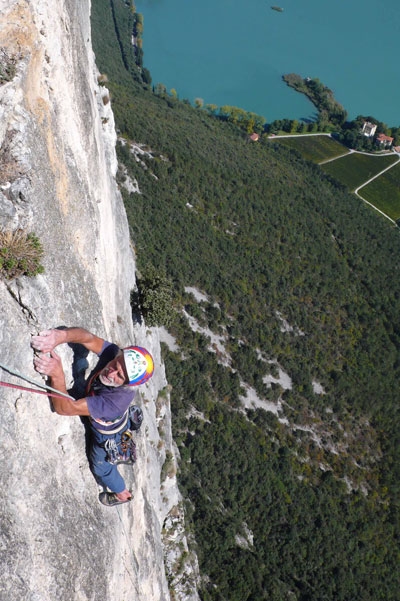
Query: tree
{"type": "Point", "coordinates": [212, 108]}
{"type": "Point", "coordinates": [259, 121]}
{"type": "Point", "coordinates": [225, 111]}
{"type": "Point", "coordinates": [146, 76]}
{"type": "Point", "coordinates": [160, 90]}
{"type": "Point", "coordinates": [154, 298]}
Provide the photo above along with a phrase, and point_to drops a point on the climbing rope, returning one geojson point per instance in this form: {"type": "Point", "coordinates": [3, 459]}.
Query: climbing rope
{"type": "Point", "coordinates": [26, 389]}
{"type": "Point", "coordinates": [45, 387]}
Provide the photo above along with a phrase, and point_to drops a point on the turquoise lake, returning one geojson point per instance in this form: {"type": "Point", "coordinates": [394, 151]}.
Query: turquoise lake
{"type": "Point", "coordinates": [235, 53]}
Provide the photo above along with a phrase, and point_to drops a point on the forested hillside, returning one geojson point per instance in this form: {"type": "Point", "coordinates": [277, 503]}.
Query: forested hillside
{"type": "Point", "coordinates": [301, 277]}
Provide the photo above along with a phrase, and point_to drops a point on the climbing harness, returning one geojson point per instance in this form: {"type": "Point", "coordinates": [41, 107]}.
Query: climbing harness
{"type": "Point", "coordinates": [45, 388]}
{"type": "Point", "coordinates": [125, 450]}
{"type": "Point", "coordinates": [108, 432]}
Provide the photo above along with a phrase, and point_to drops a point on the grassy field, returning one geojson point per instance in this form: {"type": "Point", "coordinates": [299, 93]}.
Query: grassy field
{"type": "Point", "coordinates": [355, 169]}
{"type": "Point", "coordinates": [314, 148]}
{"type": "Point", "coordinates": [384, 193]}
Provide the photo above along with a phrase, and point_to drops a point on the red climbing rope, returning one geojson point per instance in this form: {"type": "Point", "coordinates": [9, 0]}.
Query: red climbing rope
{"type": "Point", "coordinates": [54, 392]}
{"type": "Point", "coordinates": [47, 393]}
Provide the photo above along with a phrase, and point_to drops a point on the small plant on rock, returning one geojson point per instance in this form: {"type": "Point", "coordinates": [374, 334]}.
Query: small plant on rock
{"type": "Point", "coordinates": [102, 79]}
{"type": "Point", "coordinates": [168, 469]}
{"type": "Point", "coordinates": [7, 66]}
{"type": "Point", "coordinates": [20, 254]}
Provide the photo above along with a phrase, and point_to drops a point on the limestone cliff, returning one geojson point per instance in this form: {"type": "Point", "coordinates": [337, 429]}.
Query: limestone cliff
{"type": "Point", "coordinates": [57, 165]}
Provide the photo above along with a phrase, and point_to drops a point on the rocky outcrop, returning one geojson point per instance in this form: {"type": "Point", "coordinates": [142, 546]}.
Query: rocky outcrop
{"type": "Point", "coordinates": [57, 167]}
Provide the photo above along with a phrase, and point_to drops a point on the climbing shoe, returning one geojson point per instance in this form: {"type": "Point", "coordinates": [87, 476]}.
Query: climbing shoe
{"type": "Point", "coordinates": [110, 499]}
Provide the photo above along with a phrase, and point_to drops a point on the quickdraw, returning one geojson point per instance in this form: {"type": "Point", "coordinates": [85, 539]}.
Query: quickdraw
{"type": "Point", "coordinates": [112, 451]}
{"type": "Point", "coordinates": [125, 452]}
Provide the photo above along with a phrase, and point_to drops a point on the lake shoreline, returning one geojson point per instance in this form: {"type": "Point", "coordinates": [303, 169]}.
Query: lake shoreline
{"type": "Point", "coordinates": [248, 75]}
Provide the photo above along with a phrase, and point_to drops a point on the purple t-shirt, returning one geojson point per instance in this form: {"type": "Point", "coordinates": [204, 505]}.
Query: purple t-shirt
{"type": "Point", "coordinates": [108, 405]}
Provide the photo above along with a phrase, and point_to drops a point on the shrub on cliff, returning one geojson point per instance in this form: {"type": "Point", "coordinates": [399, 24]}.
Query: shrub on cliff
{"type": "Point", "coordinates": [154, 297]}
{"type": "Point", "coordinates": [20, 254]}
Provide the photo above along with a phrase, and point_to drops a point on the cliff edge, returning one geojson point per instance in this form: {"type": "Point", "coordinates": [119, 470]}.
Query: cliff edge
{"type": "Point", "coordinates": [57, 167]}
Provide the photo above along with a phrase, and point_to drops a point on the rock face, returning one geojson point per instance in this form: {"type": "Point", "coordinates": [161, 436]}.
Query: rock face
{"type": "Point", "coordinates": [57, 167]}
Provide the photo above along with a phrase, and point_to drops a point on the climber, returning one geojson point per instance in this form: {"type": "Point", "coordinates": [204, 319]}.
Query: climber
{"type": "Point", "coordinates": [108, 396]}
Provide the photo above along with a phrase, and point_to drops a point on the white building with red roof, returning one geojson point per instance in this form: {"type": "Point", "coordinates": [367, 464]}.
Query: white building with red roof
{"type": "Point", "coordinates": [384, 141]}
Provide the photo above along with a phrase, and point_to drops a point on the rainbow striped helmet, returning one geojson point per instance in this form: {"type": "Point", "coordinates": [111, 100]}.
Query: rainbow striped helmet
{"type": "Point", "coordinates": [139, 365]}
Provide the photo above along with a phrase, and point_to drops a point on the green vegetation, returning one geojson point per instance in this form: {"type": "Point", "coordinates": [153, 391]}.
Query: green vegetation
{"type": "Point", "coordinates": [355, 169]}
{"type": "Point", "coordinates": [20, 254]}
{"type": "Point", "coordinates": [330, 111]}
{"type": "Point", "coordinates": [305, 511]}
{"type": "Point", "coordinates": [310, 542]}
{"type": "Point", "coordinates": [245, 120]}
{"type": "Point", "coordinates": [351, 134]}
{"type": "Point", "coordinates": [384, 193]}
{"type": "Point", "coordinates": [315, 148]}
{"type": "Point", "coordinates": [116, 39]}
{"type": "Point", "coordinates": [154, 299]}
{"type": "Point", "coordinates": [168, 469]}
{"type": "Point", "coordinates": [332, 117]}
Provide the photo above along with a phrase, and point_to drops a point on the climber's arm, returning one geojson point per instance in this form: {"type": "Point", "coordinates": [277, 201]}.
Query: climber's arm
{"type": "Point", "coordinates": [52, 367]}
{"type": "Point", "coordinates": [47, 340]}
